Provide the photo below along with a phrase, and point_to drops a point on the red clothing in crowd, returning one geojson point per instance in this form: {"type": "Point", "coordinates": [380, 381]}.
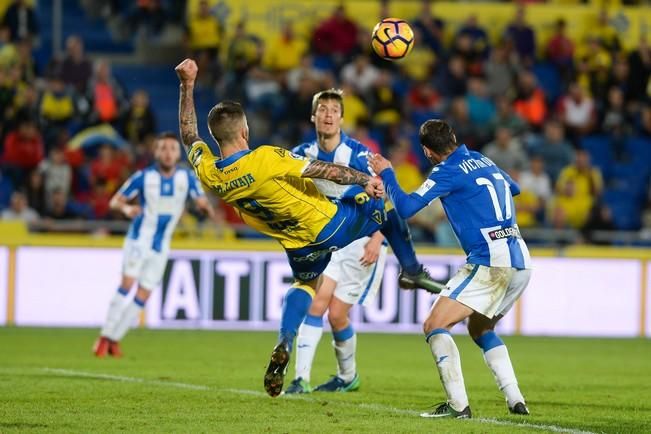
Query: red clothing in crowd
{"type": "Point", "coordinates": [336, 35]}
{"type": "Point", "coordinates": [23, 152]}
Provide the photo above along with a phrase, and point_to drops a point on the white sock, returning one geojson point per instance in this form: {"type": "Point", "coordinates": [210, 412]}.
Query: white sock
{"type": "Point", "coordinates": [129, 316]}
{"type": "Point", "coordinates": [116, 306]}
{"type": "Point", "coordinates": [499, 362]}
{"type": "Point", "coordinates": [448, 362]}
{"type": "Point", "coordinates": [309, 335]}
{"type": "Point", "coordinates": [345, 345]}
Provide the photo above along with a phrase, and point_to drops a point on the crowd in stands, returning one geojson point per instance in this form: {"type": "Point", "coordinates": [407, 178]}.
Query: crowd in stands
{"type": "Point", "coordinates": [541, 109]}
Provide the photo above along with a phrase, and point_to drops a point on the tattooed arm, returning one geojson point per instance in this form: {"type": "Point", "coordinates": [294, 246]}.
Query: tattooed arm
{"type": "Point", "coordinates": [187, 73]}
{"type": "Point", "coordinates": [335, 173]}
{"type": "Point", "coordinates": [345, 176]}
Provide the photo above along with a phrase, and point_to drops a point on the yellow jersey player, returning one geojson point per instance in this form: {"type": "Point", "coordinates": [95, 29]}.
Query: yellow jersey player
{"type": "Point", "coordinates": [274, 193]}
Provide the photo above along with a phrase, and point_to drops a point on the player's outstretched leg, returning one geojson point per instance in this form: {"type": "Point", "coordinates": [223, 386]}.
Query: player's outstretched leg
{"type": "Point", "coordinates": [116, 307]}
{"type": "Point", "coordinates": [413, 275]}
{"type": "Point", "coordinates": [309, 335]}
{"type": "Point", "coordinates": [498, 361]}
{"type": "Point", "coordinates": [297, 303]}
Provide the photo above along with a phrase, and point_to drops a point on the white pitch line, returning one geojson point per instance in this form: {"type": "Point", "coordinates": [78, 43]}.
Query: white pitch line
{"type": "Point", "coordinates": [366, 406]}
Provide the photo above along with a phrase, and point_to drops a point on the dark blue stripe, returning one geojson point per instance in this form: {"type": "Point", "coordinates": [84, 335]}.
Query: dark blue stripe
{"type": "Point", "coordinates": [436, 332]}
{"type": "Point", "coordinates": [139, 302]}
{"type": "Point", "coordinates": [314, 321]}
{"type": "Point", "coordinates": [368, 287]}
{"type": "Point", "coordinates": [123, 291]}
{"type": "Point", "coordinates": [515, 252]}
{"type": "Point", "coordinates": [465, 283]}
{"type": "Point", "coordinates": [134, 228]}
{"type": "Point", "coordinates": [343, 335]}
{"type": "Point", "coordinates": [167, 186]}
{"type": "Point", "coordinates": [488, 341]}
{"type": "Point", "coordinates": [161, 225]}
{"type": "Point", "coordinates": [220, 164]}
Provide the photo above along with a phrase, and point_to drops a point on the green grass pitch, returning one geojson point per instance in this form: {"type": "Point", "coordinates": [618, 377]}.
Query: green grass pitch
{"type": "Point", "coordinates": [205, 381]}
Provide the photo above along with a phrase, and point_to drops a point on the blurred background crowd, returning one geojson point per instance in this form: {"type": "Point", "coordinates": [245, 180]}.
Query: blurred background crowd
{"type": "Point", "coordinates": [568, 117]}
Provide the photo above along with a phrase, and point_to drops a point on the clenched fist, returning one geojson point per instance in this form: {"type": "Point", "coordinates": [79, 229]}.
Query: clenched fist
{"type": "Point", "coordinates": [187, 71]}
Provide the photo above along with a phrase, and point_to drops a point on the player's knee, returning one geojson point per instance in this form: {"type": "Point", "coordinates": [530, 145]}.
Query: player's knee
{"type": "Point", "coordinates": [338, 320]}
{"type": "Point", "coordinates": [432, 323]}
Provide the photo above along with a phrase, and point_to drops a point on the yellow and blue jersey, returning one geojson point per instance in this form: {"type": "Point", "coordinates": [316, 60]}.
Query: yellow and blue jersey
{"type": "Point", "coordinates": [266, 186]}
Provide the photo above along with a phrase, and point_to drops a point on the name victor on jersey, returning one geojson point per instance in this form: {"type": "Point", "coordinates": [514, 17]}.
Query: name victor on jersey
{"type": "Point", "coordinates": [472, 164]}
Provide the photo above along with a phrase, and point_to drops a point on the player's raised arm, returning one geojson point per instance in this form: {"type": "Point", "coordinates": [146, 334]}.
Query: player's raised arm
{"type": "Point", "coordinates": [187, 73]}
{"type": "Point", "coordinates": [345, 176]}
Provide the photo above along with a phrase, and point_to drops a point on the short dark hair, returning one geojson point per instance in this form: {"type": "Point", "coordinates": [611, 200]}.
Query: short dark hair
{"type": "Point", "coordinates": [332, 93]}
{"type": "Point", "coordinates": [167, 135]}
{"type": "Point", "coordinates": [437, 136]}
{"type": "Point", "coordinates": [224, 120]}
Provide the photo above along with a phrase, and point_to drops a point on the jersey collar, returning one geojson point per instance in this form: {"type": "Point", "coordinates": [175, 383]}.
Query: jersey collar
{"type": "Point", "coordinates": [220, 164]}
{"type": "Point", "coordinates": [343, 139]}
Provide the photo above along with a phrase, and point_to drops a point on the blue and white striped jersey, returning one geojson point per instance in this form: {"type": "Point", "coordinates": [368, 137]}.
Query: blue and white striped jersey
{"type": "Point", "coordinates": [162, 200]}
{"type": "Point", "coordinates": [349, 153]}
{"type": "Point", "coordinates": [477, 198]}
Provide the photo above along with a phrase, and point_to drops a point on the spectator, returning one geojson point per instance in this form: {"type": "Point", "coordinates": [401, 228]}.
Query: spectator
{"type": "Point", "coordinates": [99, 200]}
{"type": "Point", "coordinates": [619, 77]}
{"type": "Point", "coordinates": [406, 171]}
{"type": "Point", "coordinates": [577, 111]}
{"type": "Point", "coordinates": [19, 210]}
{"type": "Point", "coordinates": [21, 20]}
{"type": "Point", "coordinates": [57, 107]}
{"type": "Point", "coordinates": [536, 179]}
{"type": "Point", "coordinates": [506, 151]}
{"type": "Point", "coordinates": [460, 122]}
{"type": "Point", "coordinates": [57, 174]}
{"type": "Point", "coordinates": [605, 32]}
{"type": "Point", "coordinates": [23, 148]}
{"type": "Point", "coordinates": [285, 51]}
{"type": "Point", "coordinates": [298, 111]}
{"type": "Point", "coordinates": [244, 53]}
{"type": "Point", "coordinates": [305, 69]}
{"type": "Point", "coordinates": [106, 96]}
{"type": "Point", "coordinates": [500, 73]}
{"type": "Point", "coordinates": [452, 80]}
{"type": "Point", "coordinates": [424, 98]}
{"type": "Point", "coordinates": [148, 18]}
{"type": "Point", "coordinates": [462, 47]}
{"type": "Point", "coordinates": [361, 134]}
{"type": "Point", "coordinates": [578, 188]}
{"type": "Point", "coordinates": [430, 27]}
{"type": "Point", "coordinates": [522, 36]}
{"type": "Point", "coordinates": [35, 191]}
{"type": "Point", "coordinates": [639, 62]}
{"type": "Point", "coordinates": [360, 74]}
{"type": "Point", "coordinates": [593, 67]}
{"type": "Point", "coordinates": [477, 34]}
{"type": "Point", "coordinates": [204, 36]}
{"type": "Point", "coordinates": [554, 149]}
{"type": "Point", "coordinates": [384, 103]}
{"type": "Point", "coordinates": [480, 107]}
{"type": "Point", "coordinates": [336, 36]}
{"type": "Point", "coordinates": [530, 101]}
{"type": "Point", "coordinates": [505, 116]}
{"type": "Point", "coordinates": [139, 120]}
{"type": "Point", "coordinates": [422, 60]}
{"type": "Point", "coordinates": [60, 207]}
{"type": "Point", "coordinates": [527, 204]}
{"type": "Point", "coordinates": [106, 168]}
{"type": "Point", "coordinates": [560, 50]}
{"type": "Point", "coordinates": [74, 68]}
{"type": "Point", "coordinates": [356, 108]}
{"type": "Point", "coordinates": [644, 127]}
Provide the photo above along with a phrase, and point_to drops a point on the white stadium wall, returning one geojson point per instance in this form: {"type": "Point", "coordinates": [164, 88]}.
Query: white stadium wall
{"type": "Point", "coordinates": [4, 280]}
{"type": "Point", "coordinates": [57, 286]}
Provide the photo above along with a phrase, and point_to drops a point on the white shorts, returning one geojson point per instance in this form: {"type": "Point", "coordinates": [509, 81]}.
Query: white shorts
{"type": "Point", "coordinates": [356, 284]}
{"type": "Point", "coordinates": [490, 291]}
{"type": "Point", "coordinates": [143, 264]}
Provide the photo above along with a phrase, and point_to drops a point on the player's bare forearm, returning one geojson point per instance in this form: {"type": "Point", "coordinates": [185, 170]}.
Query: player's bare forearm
{"type": "Point", "coordinates": [187, 116]}
{"type": "Point", "coordinates": [336, 173]}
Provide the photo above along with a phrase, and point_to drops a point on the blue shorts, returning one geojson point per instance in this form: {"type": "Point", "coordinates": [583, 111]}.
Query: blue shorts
{"type": "Point", "coordinates": [356, 217]}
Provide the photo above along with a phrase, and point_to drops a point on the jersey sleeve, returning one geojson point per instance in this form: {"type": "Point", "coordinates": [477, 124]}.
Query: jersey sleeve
{"type": "Point", "coordinates": [194, 186]}
{"type": "Point", "coordinates": [514, 186]}
{"type": "Point", "coordinates": [201, 158]}
{"type": "Point", "coordinates": [439, 183]}
{"type": "Point", "coordinates": [133, 186]}
{"type": "Point", "coordinates": [284, 162]}
{"type": "Point", "coordinates": [360, 162]}
{"type": "Point", "coordinates": [299, 150]}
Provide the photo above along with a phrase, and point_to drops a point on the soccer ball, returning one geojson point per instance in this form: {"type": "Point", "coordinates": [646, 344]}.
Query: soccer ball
{"type": "Point", "coordinates": [392, 38]}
